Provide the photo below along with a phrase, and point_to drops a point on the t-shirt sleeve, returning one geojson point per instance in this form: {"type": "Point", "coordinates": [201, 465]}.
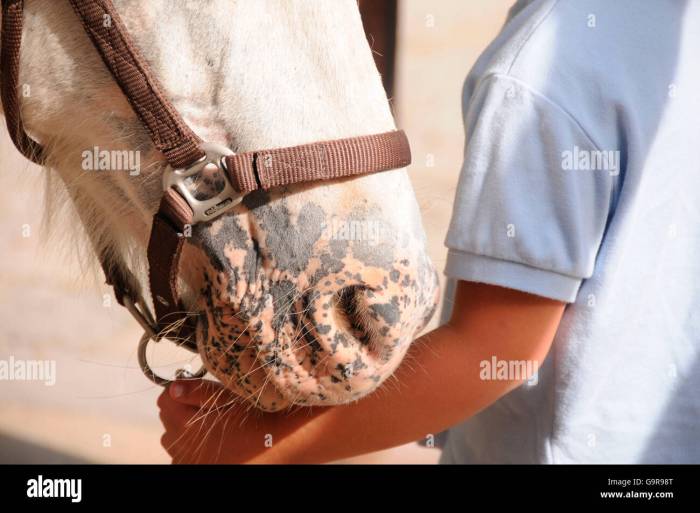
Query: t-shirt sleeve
{"type": "Point", "coordinates": [534, 195]}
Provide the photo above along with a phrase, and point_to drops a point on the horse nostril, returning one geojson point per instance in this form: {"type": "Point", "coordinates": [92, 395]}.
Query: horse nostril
{"type": "Point", "coordinates": [314, 330]}
{"type": "Point", "coordinates": [345, 298]}
{"type": "Point", "coordinates": [349, 305]}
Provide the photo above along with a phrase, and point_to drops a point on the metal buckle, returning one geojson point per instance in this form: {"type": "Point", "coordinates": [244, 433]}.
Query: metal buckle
{"type": "Point", "coordinates": [204, 210]}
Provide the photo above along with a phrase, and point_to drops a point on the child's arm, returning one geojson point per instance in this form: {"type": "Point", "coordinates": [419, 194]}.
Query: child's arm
{"type": "Point", "coordinates": [438, 385]}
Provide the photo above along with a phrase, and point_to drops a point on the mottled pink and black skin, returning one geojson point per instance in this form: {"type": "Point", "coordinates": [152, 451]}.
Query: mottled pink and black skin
{"type": "Point", "coordinates": [290, 314]}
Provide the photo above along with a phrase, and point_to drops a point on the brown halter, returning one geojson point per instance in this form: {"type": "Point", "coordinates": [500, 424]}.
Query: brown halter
{"type": "Point", "coordinates": [186, 155]}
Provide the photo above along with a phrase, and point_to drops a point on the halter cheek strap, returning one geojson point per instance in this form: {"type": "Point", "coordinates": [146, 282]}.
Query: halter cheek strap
{"type": "Point", "coordinates": [186, 155]}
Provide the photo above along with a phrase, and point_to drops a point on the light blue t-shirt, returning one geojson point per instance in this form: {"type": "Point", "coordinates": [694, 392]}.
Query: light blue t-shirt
{"type": "Point", "coordinates": [581, 182]}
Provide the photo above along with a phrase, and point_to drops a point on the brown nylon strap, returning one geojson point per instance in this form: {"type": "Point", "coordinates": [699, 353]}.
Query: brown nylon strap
{"type": "Point", "coordinates": [164, 251]}
{"type": "Point", "coordinates": [170, 135]}
{"type": "Point", "coordinates": [168, 131]}
{"type": "Point", "coordinates": [325, 160]}
{"type": "Point", "coordinates": [12, 11]}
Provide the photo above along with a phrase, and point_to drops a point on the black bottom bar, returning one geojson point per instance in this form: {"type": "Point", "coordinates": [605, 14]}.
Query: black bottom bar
{"type": "Point", "coordinates": [306, 486]}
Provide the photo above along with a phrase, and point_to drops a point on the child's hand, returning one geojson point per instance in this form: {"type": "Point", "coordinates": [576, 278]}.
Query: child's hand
{"type": "Point", "coordinates": [205, 423]}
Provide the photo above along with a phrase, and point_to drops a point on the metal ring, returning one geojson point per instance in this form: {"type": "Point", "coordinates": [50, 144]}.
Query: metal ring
{"type": "Point", "coordinates": [150, 374]}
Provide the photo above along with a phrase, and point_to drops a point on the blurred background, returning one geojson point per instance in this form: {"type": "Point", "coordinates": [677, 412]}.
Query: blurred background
{"type": "Point", "coordinates": [101, 408]}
